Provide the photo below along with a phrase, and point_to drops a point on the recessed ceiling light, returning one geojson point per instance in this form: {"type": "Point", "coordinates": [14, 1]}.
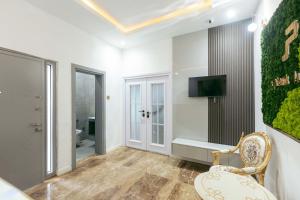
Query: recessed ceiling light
{"type": "Point", "coordinates": [220, 3]}
{"type": "Point", "coordinates": [231, 14]}
{"type": "Point", "coordinates": [252, 27]}
{"type": "Point", "coordinates": [122, 43]}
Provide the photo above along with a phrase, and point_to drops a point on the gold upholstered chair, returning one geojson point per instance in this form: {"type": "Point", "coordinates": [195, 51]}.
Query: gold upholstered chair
{"type": "Point", "coordinates": [255, 150]}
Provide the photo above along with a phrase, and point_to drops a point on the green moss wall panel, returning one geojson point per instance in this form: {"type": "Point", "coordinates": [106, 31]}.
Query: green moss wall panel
{"type": "Point", "coordinates": [273, 67]}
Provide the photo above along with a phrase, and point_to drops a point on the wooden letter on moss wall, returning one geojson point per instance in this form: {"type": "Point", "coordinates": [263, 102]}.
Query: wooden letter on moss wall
{"type": "Point", "coordinates": [294, 26]}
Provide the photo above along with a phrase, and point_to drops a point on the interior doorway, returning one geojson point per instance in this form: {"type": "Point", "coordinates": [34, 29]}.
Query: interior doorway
{"type": "Point", "coordinates": [85, 115]}
{"type": "Point", "coordinates": [88, 126]}
{"type": "Point", "coordinates": [147, 113]}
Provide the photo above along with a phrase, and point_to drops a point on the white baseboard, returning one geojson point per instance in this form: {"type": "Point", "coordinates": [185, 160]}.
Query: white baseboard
{"type": "Point", "coordinates": [114, 147]}
{"type": "Point", "coordinates": [67, 169]}
{"type": "Point", "coordinates": [63, 170]}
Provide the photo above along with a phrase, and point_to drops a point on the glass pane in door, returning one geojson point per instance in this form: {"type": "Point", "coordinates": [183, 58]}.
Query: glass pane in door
{"type": "Point", "coordinates": [135, 115]}
{"type": "Point", "coordinates": [158, 112]}
{"type": "Point", "coordinates": [50, 118]}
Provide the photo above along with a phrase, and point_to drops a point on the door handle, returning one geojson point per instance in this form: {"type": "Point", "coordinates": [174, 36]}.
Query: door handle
{"type": "Point", "coordinates": [38, 129]}
{"type": "Point", "coordinates": [148, 114]}
{"type": "Point", "coordinates": [35, 124]}
{"type": "Point", "coordinates": [143, 113]}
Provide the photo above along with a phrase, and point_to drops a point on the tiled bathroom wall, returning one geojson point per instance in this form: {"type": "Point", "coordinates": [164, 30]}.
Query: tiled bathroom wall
{"type": "Point", "coordinates": [85, 101]}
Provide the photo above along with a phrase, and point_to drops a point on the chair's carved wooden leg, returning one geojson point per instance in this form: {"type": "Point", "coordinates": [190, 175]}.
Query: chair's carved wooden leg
{"type": "Point", "coordinates": [216, 158]}
{"type": "Point", "coordinates": [261, 179]}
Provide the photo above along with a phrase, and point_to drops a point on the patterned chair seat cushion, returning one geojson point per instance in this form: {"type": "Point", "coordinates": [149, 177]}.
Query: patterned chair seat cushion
{"type": "Point", "coordinates": [218, 168]}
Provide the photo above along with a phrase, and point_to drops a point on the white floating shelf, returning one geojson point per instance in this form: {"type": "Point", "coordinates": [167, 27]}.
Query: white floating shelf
{"type": "Point", "coordinates": [204, 145]}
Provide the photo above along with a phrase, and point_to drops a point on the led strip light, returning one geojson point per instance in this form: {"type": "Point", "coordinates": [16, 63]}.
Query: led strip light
{"type": "Point", "coordinates": [200, 6]}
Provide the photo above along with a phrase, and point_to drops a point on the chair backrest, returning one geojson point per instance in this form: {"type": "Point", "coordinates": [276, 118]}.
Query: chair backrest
{"type": "Point", "coordinates": [255, 148]}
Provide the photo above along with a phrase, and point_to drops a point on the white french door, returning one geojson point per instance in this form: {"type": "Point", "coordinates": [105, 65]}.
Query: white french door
{"type": "Point", "coordinates": [146, 114]}
{"type": "Point", "coordinates": [135, 114]}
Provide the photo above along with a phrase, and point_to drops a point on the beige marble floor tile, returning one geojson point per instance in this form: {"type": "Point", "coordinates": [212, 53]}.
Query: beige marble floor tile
{"type": "Point", "coordinates": [124, 174]}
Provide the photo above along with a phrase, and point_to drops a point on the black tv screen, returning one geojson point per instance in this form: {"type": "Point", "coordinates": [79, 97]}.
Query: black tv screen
{"type": "Point", "coordinates": [207, 86]}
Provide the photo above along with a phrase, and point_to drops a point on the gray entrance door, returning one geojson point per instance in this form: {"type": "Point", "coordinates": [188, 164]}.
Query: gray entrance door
{"type": "Point", "coordinates": [21, 119]}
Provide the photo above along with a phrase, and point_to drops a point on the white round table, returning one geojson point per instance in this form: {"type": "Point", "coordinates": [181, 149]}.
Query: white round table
{"type": "Point", "coordinates": [229, 186]}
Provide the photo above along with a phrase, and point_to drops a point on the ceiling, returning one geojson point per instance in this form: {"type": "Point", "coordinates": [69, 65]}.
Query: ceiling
{"type": "Point", "coordinates": [142, 10]}
{"type": "Point", "coordinates": [128, 13]}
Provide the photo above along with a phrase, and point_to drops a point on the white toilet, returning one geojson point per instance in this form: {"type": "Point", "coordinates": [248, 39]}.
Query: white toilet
{"type": "Point", "coordinates": [78, 135]}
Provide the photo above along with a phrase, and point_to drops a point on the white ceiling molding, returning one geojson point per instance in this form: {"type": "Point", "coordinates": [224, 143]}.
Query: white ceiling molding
{"type": "Point", "coordinates": [130, 12]}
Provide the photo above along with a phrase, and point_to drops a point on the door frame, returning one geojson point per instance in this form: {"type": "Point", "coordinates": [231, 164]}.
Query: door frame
{"type": "Point", "coordinates": [44, 120]}
{"type": "Point", "coordinates": [169, 104]}
{"type": "Point", "coordinates": [100, 109]}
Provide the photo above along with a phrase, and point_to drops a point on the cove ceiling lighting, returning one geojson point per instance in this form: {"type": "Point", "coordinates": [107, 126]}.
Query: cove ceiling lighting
{"type": "Point", "coordinates": [195, 7]}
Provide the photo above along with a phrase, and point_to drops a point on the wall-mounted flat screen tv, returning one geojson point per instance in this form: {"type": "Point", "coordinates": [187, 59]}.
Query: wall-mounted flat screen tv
{"type": "Point", "coordinates": [207, 86]}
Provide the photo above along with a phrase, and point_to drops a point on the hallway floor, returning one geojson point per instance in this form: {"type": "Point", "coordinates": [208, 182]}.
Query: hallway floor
{"type": "Point", "coordinates": [86, 149]}
{"type": "Point", "coordinates": [124, 173]}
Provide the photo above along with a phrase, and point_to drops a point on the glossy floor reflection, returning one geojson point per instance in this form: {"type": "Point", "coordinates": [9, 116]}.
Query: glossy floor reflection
{"type": "Point", "coordinates": [124, 173]}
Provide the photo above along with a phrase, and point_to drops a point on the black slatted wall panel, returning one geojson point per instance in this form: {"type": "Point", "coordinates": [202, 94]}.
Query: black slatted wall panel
{"type": "Point", "coordinates": [231, 53]}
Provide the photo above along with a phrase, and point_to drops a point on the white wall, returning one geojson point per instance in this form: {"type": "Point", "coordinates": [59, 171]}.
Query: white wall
{"type": "Point", "coordinates": [190, 59]}
{"type": "Point", "coordinates": [282, 176]}
{"type": "Point", "coordinates": [149, 58]}
{"type": "Point", "coordinates": [27, 29]}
